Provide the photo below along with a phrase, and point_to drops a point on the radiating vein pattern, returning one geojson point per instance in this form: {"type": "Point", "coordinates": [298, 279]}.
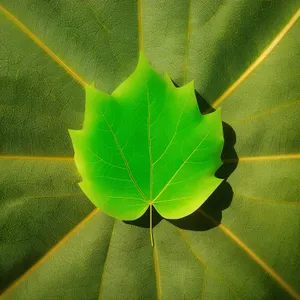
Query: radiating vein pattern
{"type": "Point", "coordinates": [263, 158]}
{"type": "Point", "coordinates": [140, 25]}
{"type": "Point", "coordinates": [43, 46]}
{"type": "Point", "coordinates": [49, 253]}
{"type": "Point", "coordinates": [258, 61]}
{"type": "Point", "coordinates": [270, 157]}
{"type": "Point", "coordinates": [157, 273]}
{"type": "Point", "coordinates": [24, 157]}
{"type": "Point", "coordinates": [151, 144]}
{"type": "Point", "coordinates": [253, 256]}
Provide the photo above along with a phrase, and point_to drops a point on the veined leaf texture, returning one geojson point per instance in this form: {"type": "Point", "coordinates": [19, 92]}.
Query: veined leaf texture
{"type": "Point", "coordinates": [243, 57]}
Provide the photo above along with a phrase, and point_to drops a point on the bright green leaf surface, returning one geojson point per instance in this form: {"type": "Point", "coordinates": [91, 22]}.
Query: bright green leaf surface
{"type": "Point", "coordinates": [212, 42]}
{"type": "Point", "coordinates": [147, 143]}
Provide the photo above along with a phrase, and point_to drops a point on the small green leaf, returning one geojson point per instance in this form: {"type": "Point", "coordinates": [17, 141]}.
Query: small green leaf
{"type": "Point", "coordinates": [147, 144]}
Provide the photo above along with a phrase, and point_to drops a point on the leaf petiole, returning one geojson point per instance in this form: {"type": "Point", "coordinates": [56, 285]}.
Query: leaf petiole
{"type": "Point", "coordinates": [151, 233]}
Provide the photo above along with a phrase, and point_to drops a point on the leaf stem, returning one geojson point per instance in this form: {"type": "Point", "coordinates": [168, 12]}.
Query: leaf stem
{"type": "Point", "coordinates": [151, 233]}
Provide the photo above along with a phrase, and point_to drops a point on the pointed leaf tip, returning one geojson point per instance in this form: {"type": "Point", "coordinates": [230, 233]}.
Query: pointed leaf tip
{"type": "Point", "coordinates": [217, 112]}
{"type": "Point", "coordinates": [191, 84]}
{"type": "Point", "coordinates": [188, 87]}
{"type": "Point", "coordinates": [168, 79]}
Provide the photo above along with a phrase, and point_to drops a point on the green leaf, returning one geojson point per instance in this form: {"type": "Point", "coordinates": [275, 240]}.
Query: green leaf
{"type": "Point", "coordinates": [243, 242]}
{"type": "Point", "coordinates": [147, 144]}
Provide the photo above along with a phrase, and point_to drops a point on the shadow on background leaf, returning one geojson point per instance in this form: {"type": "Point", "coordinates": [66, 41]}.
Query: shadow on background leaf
{"type": "Point", "coordinates": [219, 200]}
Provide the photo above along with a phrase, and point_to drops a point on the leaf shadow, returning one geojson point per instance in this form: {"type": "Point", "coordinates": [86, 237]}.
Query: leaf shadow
{"type": "Point", "coordinates": [219, 200]}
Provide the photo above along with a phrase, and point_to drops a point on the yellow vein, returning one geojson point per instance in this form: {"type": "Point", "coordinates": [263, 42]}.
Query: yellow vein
{"type": "Point", "coordinates": [124, 158]}
{"type": "Point", "coordinates": [266, 200]}
{"type": "Point", "coordinates": [52, 158]}
{"type": "Point", "coordinates": [49, 253]}
{"type": "Point", "coordinates": [163, 189]}
{"type": "Point", "coordinates": [264, 113]}
{"type": "Point", "coordinates": [140, 25]}
{"type": "Point", "coordinates": [263, 158]}
{"type": "Point", "coordinates": [42, 45]}
{"type": "Point", "coordinates": [186, 55]}
{"type": "Point", "coordinates": [105, 261]}
{"type": "Point", "coordinates": [253, 256]}
{"type": "Point", "coordinates": [270, 157]}
{"type": "Point", "coordinates": [258, 61]}
{"type": "Point", "coordinates": [157, 273]}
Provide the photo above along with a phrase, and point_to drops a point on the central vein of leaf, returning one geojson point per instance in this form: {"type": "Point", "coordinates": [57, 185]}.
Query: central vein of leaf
{"type": "Point", "coordinates": [149, 144]}
{"type": "Point", "coordinates": [150, 163]}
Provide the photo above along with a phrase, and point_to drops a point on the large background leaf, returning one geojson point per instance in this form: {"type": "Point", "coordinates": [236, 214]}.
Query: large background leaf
{"type": "Point", "coordinates": [253, 254]}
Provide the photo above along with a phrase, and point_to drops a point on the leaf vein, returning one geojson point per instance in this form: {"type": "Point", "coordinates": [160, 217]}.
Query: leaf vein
{"type": "Point", "coordinates": [164, 188]}
{"type": "Point", "coordinates": [289, 289]}
{"type": "Point", "coordinates": [43, 46]}
{"type": "Point", "coordinates": [49, 253]}
{"type": "Point", "coordinates": [258, 61]}
{"type": "Point", "coordinates": [171, 140]}
{"type": "Point", "coordinates": [124, 158]}
{"type": "Point", "coordinates": [104, 161]}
